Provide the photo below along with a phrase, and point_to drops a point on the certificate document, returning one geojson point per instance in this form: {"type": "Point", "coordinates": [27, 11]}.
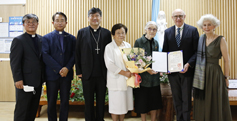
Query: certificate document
{"type": "Point", "coordinates": [167, 62]}
{"type": "Point", "coordinates": [233, 83]}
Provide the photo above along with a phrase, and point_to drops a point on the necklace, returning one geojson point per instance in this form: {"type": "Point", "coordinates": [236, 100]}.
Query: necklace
{"type": "Point", "coordinates": [97, 42]}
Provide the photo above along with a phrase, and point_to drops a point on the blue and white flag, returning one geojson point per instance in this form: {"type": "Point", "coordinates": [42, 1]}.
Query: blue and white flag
{"type": "Point", "coordinates": [155, 11]}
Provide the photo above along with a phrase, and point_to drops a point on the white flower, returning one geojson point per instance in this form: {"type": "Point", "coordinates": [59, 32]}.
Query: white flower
{"type": "Point", "coordinates": [132, 55]}
{"type": "Point", "coordinates": [143, 64]}
{"type": "Point", "coordinates": [148, 58]}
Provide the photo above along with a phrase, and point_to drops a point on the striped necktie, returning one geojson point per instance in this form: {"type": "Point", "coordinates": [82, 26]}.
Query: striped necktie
{"type": "Point", "coordinates": [178, 38]}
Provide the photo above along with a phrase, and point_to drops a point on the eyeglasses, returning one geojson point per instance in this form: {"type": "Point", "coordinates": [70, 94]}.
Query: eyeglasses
{"type": "Point", "coordinates": [31, 22]}
{"type": "Point", "coordinates": [118, 33]}
{"type": "Point", "coordinates": [178, 16]}
{"type": "Point", "coordinates": [150, 29]}
{"type": "Point", "coordinates": [94, 16]}
{"type": "Point", "coordinates": [59, 21]}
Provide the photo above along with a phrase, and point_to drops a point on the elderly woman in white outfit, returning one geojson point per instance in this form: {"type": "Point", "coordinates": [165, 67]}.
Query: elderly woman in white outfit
{"type": "Point", "coordinates": [120, 95]}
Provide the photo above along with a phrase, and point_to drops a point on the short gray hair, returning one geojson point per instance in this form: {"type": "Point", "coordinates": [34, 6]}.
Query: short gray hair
{"type": "Point", "coordinates": [30, 16]}
{"type": "Point", "coordinates": [149, 23]}
{"type": "Point", "coordinates": [208, 17]}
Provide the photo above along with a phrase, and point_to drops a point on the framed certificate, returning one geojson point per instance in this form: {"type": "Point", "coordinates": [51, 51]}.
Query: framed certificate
{"type": "Point", "coordinates": [232, 84]}
{"type": "Point", "coordinates": [167, 62]}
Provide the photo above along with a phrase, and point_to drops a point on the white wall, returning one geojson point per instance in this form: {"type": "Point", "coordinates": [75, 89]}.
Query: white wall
{"type": "Point", "coordinates": [12, 2]}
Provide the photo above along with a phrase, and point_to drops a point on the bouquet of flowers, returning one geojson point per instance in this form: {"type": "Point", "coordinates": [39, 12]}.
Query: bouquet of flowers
{"type": "Point", "coordinates": [136, 62]}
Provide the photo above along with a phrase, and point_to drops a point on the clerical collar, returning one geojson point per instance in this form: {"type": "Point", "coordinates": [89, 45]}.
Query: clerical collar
{"type": "Point", "coordinates": [32, 36]}
{"type": "Point", "coordinates": [94, 30]}
{"type": "Point", "coordinates": [59, 32]}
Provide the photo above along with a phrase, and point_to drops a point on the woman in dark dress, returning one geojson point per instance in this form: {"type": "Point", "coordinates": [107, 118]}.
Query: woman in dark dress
{"type": "Point", "coordinates": [148, 96]}
{"type": "Point", "coordinates": [211, 102]}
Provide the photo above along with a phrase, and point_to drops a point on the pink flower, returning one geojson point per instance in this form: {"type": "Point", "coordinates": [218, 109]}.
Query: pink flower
{"type": "Point", "coordinates": [140, 60]}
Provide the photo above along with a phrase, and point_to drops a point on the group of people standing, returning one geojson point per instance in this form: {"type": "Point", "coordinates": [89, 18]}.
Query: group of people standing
{"type": "Point", "coordinates": [98, 60]}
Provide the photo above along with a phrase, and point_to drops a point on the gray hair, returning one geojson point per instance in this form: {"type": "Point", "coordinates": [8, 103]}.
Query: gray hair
{"type": "Point", "coordinates": [30, 16]}
{"type": "Point", "coordinates": [149, 23]}
{"type": "Point", "coordinates": [208, 17]}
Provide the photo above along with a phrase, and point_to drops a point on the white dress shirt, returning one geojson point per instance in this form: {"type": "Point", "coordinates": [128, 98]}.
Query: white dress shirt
{"type": "Point", "coordinates": [181, 30]}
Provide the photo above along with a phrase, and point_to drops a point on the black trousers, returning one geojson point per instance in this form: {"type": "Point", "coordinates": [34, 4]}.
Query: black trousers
{"type": "Point", "coordinates": [95, 85]}
{"type": "Point", "coordinates": [27, 104]}
{"type": "Point", "coordinates": [181, 87]}
{"type": "Point", "coordinates": [64, 84]}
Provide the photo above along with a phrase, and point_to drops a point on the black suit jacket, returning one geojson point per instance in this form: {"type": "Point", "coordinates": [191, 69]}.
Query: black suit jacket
{"type": "Point", "coordinates": [25, 63]}
{"type": "Point", "coordinates": [84, 56]}
{"type": "Point", "coordinates": [188, 44]}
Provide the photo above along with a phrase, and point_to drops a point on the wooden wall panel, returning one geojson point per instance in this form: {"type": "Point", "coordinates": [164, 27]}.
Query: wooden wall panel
{"type": "Point", "coordinates": [11, 10]}
{"type": "Point", "coordinates": [224, 10]}
{"type": "Point", "coordinates": [7, 89]}
{"type": "Point", "coordinates": [135, 13]}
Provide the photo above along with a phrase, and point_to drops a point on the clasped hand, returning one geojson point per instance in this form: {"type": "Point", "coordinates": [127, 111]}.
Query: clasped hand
{"type": "Point", "coordinates": [63, 72]}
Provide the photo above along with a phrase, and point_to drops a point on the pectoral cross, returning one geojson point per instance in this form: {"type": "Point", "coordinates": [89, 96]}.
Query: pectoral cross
{"type": "Point", "coordinates": [97, 42]}
{"type": "Point", "coordinates": [97, 49]}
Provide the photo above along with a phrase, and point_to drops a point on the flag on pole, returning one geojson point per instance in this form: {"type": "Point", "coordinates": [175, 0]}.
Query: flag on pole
{"type": "Point", "coordinates": [155, 11]}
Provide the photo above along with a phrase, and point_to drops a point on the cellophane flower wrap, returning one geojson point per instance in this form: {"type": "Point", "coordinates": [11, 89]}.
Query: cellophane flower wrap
{"type": "Point", "coordinates": [136, 62]}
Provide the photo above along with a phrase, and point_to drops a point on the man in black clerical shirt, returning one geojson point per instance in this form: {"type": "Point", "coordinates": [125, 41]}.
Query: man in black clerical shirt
{"type": "Point", "coordinates": [90, 65]}
{"type": "Point", "coordinates": [27, 69]}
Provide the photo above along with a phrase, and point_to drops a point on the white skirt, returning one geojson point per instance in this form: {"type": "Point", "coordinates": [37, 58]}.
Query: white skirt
{"type": "Point", "coordinates": [120, 102]}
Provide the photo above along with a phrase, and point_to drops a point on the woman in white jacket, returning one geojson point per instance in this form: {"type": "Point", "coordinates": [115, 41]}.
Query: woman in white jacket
{"type": "Point", "coordinates": [120, 95]}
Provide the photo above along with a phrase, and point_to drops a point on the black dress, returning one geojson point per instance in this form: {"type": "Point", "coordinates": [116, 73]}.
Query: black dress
{"type": "Point", "coordinates": [148, 96]}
